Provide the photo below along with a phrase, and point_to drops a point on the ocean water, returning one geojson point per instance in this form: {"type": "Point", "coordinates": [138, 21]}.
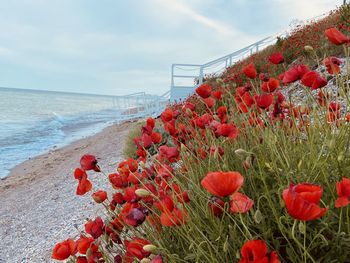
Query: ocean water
{"type": "Point", "coordinates": [33, 122]}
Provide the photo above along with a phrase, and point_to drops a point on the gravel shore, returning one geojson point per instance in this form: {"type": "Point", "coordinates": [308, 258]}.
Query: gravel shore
{"type": "Point", "coordinates": [38, 205]}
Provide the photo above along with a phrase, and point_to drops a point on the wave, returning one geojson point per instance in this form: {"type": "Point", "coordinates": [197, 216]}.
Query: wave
{"type": "Point", "coordinates": [22, 140]}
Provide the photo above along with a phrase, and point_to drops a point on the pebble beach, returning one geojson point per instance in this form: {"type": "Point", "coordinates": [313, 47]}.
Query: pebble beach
{"type": "Point", "coordinates": [38, 205]}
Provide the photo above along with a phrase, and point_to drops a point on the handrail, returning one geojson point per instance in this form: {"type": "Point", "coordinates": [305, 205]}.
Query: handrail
{"type": "Point", "coordinates": [178, 92]}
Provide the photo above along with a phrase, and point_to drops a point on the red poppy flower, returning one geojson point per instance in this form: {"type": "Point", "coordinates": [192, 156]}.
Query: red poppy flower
{"type": "Point", "coordinates": [136, 216]}
{"type": "Point", "coordinates": [343, 191]}
{"type": "Point", "coordinates": [247, 99]}
{"type": "Point", "coordinates": [173, 218]}
{"type": "Point", "coordinates": [334, 106]}
{"type": "Point", "coordinates": [332, 65]}
{"type": "Point", "coordinates": [264, 77]}
{"type": "Point", "coordinates": [157, 259]}
{"type": "Point", "coordinates": [204, 91]}
{"type": "Point", "coordinates": [217, 94]}
{"type": "Point", "coordinates": [226, 130]}
{"type": "Point", "coordinates": [118, 198]}
{"type": "Point", "coordinates": [89, 162]}
{"type": "Point", "coordinates": [81, 259]}
{"type": "Point", "coordinates": [84, 186]}
{"type": "Point", "coordinates": [302, 201]}
{"type": "Point", "coordinates": [79, 174]}
{"type": "Point", "coordinates": [250, 71]}
{"type": "Point", "coordinates": [336, 37]}
{"type": "Point", "coordinates": [222, 113]}
{"type": "Point", "coordinates": [166, 203]}
{"type": "Point", "coordinates": [146, 140]}
{"type": "Point", "coordinates": [264, 101]}
{"type": "Point", "coordinates": [169, 153]}
{"type": "Point", "coordinates": [210, 102]}
{"type": "Point", "coordinates": [256, 251]}
{"type": "Point", "coordinates": [134, 249]}
{"type": "Point", "coordinates": [216, 206]}
{"type": "Point", "coordinates": [313, 80]}
{"type": "Point", "coordinates": [239, 93]}
{"type": "Point", "coordinates": [132, 165]}
{"type": "Point", "coordinates": [129, 194]}
{"type": "Point", "coordinates": [240, 203]}
{"type": "Point", "coordinates": [151, 122]}
{"type": "Point", "coordinates": [118, 180]}
{"type": "Point", "coordinates": [156, 137]}
{"type": "Point", "coordinates": [99, 196]}
{"type": "Point", "coordinates": [271, 85]}
{"type": "Point", "coordinates": [84, 243]}
{"type": "Point", "coordinates": [276, 58]}
{"type": "Point", "coordinates": [222, 184]}
{"type": "Point", "coordinates": [64, 250]}
{"type": "Point", "coordinates": [295, 73]}
{"type": "Point", "coordinates": [167, 115]}
{"type": "Point", "coordinates": [95, 227]}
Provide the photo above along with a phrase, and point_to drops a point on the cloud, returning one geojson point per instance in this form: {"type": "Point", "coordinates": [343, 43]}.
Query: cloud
{"type": "Point", "coordinates": [181, 7]}
{"type": "Point", "coordinates": [302, 9]}
{"type": "Point", "coordinates": [5, 52]}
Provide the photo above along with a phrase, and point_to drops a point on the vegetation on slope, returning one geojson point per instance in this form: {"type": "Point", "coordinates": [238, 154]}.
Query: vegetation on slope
{"type": "Point", "coordinates": [254, 167]}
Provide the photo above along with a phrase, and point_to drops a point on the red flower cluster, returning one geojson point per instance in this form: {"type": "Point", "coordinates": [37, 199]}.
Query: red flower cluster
{"type": "Point", "coordinates": [148, 190]}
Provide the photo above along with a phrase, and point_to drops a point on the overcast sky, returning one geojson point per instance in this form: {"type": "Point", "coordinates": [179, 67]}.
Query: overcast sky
{"type": "Point", "coordinates": [122, 46]}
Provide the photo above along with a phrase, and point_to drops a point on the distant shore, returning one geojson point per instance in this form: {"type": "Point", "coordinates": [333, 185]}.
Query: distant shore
{"type": "Point", "coordinates": [38, 205]}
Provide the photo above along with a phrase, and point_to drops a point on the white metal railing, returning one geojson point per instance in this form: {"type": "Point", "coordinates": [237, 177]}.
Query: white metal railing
{"type": "Point", "coordinates": [140, 105]}
{"type": "Point", "coordinates": [185, 78]}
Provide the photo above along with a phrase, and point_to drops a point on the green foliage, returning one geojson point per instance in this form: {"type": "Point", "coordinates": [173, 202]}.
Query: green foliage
{"type": "Point", "coordinates": [130, 147]}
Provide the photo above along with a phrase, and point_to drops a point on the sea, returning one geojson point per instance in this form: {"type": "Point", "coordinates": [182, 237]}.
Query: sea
{"type": "Point", "coordinates": [33, 122]}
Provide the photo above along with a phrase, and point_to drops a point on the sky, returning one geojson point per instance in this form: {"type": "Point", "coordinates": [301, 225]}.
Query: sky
{"type": "Point", "coordinates": [118, 47]}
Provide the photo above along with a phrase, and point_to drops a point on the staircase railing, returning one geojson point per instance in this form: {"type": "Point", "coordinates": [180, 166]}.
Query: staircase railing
{"type": "Point", "coordinates": [186, 77]}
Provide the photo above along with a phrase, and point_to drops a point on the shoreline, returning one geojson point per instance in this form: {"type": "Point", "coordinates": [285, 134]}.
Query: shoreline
{"type": "Point", "coordinates": [38, 205]}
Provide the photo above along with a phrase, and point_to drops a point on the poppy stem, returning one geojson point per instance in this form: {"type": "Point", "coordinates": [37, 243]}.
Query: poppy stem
{"type": "Point", "coordinates": [340, 219]}
{"type": "Point", "coordinates": [347, 219]}
{"type": "Point", "coordinates": [305, 241]}
{"type": "Point", "coordinates": [299, 244]}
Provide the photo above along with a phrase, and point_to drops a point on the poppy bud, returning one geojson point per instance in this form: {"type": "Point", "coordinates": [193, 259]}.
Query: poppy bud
{"type": "Point", "coordinates": [301, 227]}
{"type": "Point", "coordinates": [308, 48]}
{"type": "Point", "coordinates": [149, 248]}
{"type": "Point", "coordinates": [216, 153]}
{"type": "Point", "coordinates": [258, 217]}
{"type": "Point", "coordinates": [248, 162]}
{"type": "Point", "coordinates": [241, 152]}
{"type": "Point", "coordinates": [88, 252]}
{"type": "Point", "coordinates": [99, 196]}
{"type": "Point", "coordinates": [142, 192]}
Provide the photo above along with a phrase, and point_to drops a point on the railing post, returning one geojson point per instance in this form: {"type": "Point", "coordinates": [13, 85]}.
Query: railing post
{"type": "Point", "coordinates": [172, 75]}
{"type": "Point", "coordinates": [200, 76]}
